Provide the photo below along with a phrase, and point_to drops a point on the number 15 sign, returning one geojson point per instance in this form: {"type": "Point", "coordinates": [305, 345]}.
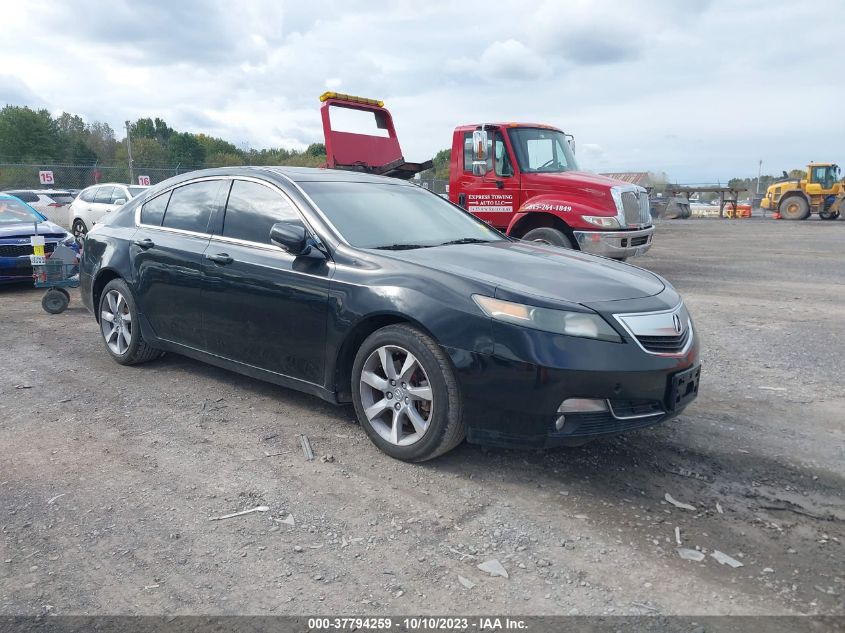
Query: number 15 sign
{"type": "Point", "coordinates": [45, 177]}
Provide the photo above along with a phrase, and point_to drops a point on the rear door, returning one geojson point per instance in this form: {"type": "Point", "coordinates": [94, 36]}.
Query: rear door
{"type": "Point", "coordinates": [167, 255]}
{"type": "Point", "coordinates": [495, 196]}
{"type": "Point", "coordinates": [264, 307]}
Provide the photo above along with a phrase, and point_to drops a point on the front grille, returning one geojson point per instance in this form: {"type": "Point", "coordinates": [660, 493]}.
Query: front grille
{"type": "Point", "coordinates": [19, 250]}
{"type": "Point", "coordinates": [636, 207]}
{"type": "Point", "coordinates": [639, 241]}
{"type": "Point", "coordinates": [635, 408]}
{"type": "Point", "coordinates": [665, 344]}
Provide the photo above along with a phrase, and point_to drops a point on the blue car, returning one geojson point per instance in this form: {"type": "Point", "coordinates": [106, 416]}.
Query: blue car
{"type": "Point", "coordinates": [18, 223]}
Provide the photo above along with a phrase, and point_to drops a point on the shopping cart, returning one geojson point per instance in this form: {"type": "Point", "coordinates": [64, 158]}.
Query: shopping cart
{"type": "Point", "coordinates": [57, 274]}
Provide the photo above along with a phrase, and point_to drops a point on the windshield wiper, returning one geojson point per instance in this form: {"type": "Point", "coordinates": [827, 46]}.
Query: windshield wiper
{"type": "Point", "coordinates": [466, 240]}
{"type": "Point", "coordinates": [400, 247]}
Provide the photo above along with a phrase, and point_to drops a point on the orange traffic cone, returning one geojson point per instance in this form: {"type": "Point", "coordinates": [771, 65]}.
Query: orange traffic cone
{"type": "Point", "coordinates": [776, 216]}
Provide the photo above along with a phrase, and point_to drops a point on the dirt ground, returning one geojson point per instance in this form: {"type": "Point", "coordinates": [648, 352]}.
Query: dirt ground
{"type": "Point", "coordinates": [109, 475]}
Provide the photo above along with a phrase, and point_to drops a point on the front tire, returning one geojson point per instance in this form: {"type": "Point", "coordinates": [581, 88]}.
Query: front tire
{"type": "Point", "coordinates": [405, 394]}
{"type": "Point", "coordinates": [546, 235]}
{"type": "Point", "coordinates": [79, 229]}
{"type": "Point", "coordinates": [120, 327]}
{"type": "Point", "coordinates": [794, 208]}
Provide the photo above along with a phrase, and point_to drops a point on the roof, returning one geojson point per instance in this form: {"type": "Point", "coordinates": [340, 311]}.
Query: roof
{"type": "Point", "coordinates": [473, 126]}
{"type": "Point", "coordinates": [642, 178]}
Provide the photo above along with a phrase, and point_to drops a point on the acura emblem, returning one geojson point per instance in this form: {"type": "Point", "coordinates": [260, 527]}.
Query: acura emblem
{"type": "Point", "coordinates": [676, 321]}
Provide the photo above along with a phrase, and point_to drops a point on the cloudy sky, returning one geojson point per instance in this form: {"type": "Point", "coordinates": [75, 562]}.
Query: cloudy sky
{"type": "Point", "coordinates": [699, 89]}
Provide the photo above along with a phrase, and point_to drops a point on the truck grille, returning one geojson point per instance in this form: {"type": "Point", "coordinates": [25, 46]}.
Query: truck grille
{"type": "Point", "coordinates": [665, 344]}
{"type": "Point", "coordinates": [18, 250]}
{"type": "Point", "coordinates": [636, 208]}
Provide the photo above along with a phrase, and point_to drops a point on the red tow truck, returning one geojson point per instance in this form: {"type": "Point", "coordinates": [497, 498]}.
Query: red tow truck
{"type": "Point", "coordinates": [521, 178]}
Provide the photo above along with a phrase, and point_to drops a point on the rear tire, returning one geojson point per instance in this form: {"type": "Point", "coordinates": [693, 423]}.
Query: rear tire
{"type": "Point", "coordinates": [120, 327]}
{"type": "Point", "coordinates": [405, 394]}
{"type": "Point", "coordinates": [794, 208]}
{"type": "Point", "coordinates": [546, 235]}
{"type": "Point", "coordinates": [79, 229]}
{"type": "Point", "coordinates": [826, 214]}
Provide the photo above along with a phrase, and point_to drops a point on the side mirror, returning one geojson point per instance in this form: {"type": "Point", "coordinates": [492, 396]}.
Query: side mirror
{"type": "Point", "coordinates": [119, 201]}
{"type": "Point", "coordinates": [291, 237]}
{"type": "Point", "coordinates": [479, 152]}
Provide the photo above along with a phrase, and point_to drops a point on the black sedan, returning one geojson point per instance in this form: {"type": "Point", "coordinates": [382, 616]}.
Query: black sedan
{"type": "Point", "coordinates": [371, 290]}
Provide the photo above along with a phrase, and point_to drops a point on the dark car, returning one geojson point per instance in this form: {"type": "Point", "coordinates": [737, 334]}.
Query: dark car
{"type": "Point", "coordinates": [372, 290]}
{"type": "Point", "coordinates": [19, 222]}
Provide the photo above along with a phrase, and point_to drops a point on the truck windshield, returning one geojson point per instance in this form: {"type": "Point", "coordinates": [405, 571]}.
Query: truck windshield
{"type": "Point", "coordinates": [542, 150]}
{"type": "Point", "coordinates": [397, 217]}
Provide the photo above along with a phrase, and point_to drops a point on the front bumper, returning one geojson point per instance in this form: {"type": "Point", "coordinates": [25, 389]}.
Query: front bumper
{"type": "Point", "coordinates": [511, 396]}
{"type": "Point", "coordinates": [615, 244]}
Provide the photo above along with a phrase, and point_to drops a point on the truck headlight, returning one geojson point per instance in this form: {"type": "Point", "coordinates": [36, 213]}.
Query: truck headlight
{"type": "Point", "coordinates": [603, 222]}
{"type": "Point", "coordinates": [581, 324]}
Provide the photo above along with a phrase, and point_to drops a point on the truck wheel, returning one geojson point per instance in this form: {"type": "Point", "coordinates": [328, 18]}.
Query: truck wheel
{"type": "Point", "coordinates": [827, 214]}
{"type": "Point", "coordinates": [548, 236]}
{"type": "Point", "coordinates": [794, 208]}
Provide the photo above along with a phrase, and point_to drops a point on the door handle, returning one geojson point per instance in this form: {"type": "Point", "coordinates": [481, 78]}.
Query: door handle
{"type": "Point", "coordinates": [144, 243]}
{"type": "Point", "coordinates": [220, 258]}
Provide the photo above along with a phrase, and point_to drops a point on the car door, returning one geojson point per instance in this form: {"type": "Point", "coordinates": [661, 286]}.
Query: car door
{"type": "Point", "coordinates": [264, 307]}
{"type": "Point", "coordinates": [167, 256]}
{"type": "Point", "coordinates": [495, 196]}
{"type": "Point", "coordinates": [100, 206]}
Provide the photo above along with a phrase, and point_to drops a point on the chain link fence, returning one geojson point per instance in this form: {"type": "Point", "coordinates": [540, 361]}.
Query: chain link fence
{"type": "Point", "coordinates": [27, 176]}
{"type": "Point", "coordinates": [63, 176]}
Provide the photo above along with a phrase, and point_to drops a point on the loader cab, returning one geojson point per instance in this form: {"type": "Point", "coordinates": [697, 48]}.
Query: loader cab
{"type": "Point", "coordinates": [823, 178]}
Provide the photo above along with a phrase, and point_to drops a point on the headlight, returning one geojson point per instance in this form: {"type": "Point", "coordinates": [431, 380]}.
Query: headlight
{"type": "Point", "coordinates": [583, 324]}
{"type": "Point", "coordinates": [605, 223]}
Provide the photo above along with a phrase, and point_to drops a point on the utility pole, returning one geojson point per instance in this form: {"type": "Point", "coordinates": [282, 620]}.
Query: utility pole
{"type": "Point", "coordinates": [129, 151]}
{"type": "Point", "coordinates": [759, 174]}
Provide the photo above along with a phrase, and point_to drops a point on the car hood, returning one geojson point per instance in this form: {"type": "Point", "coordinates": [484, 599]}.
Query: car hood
{"type": "Point", "coordinates": [554, 180]}
{"type": "Point", "coordinates": [531, 268]}
{"type": "Point", "coordinates": [25, 229]}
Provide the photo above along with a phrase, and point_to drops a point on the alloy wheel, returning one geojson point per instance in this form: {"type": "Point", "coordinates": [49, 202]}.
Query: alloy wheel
{"type": "Point", "coordinates": [396, 395]}
{"type": "Point", "coordinates": [116, 322]}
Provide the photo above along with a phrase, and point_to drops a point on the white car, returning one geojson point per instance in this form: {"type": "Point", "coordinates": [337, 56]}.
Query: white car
{"type": "Point", "coordinates": [51, 203]}
{"type": "Point", "coordinates": [94, 202]}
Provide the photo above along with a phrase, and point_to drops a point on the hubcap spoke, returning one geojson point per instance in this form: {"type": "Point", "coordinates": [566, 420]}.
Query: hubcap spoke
{"type": "Point", "coordinates": [386, 358]}
{"type": "Point", "coordinates": [396, 426]}
{"type": "Point", "coordinates": [374, 380]}
{"type": "Point", "coordinates": [375, 409]}
{"type": "Point", "coordinates": [420, 393]}
{"type": "Point", "coordinates": [416, 419]}
{"type": "Point", "coordinates": [127, 336]}
{"type": "Point", "coordinates": [112, 302]}
{"type": "Point", "coordinates": [408, 367]}
{"type": "Point", "coordinates": [107, 316]}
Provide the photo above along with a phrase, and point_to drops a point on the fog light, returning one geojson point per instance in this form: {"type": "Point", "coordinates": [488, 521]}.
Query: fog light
{"type": "Point", "coordinates": [561, 420]}
{"type": "Point", "coordinates": [582, 405]}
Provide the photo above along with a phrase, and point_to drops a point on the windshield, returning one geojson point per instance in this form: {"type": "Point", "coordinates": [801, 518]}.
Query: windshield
{"type": "Point", "coordinates": [376, 215]}
{"type": "Point", "coordinates": [542, 150]}
{"type": "Point", "coordinates": [14, 212]}
{"type": "Point", "coordinates": [136, 191]}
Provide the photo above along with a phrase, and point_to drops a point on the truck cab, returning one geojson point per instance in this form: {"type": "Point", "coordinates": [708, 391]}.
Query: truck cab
{"type": "Point", "coordinates": [527, 183]}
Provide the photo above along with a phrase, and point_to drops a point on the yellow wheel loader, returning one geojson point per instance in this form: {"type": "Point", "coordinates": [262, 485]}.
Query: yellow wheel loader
{"type": "Point", "coordinates": [820, 192]}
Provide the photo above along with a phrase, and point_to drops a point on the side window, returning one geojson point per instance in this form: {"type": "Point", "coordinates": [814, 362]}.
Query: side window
{"type": "Point", "coordinates": [88, 194]}
{"type": "Point", "coordinates": [468, 152]}
{"type": "Point", "coordinates": [501, 157]}
{"type": "Point", "coordinates": [153, 211]}
{"type": "Point", "coordinates": [252, 209]}
{"type": "Point", "coordinates": [190, 206]}
{"type": "Point", "coordinates": [119, 193]}
{"type": "Point", "coordinates": [103, 195]}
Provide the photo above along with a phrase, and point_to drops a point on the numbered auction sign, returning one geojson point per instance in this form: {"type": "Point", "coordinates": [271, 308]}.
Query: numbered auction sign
{"type": "Point", "coordinates": [144, 181]}
{"type": "Point", "coordinates": [37, 258]}
{"type": "Point", "coordinates": [46, 177]}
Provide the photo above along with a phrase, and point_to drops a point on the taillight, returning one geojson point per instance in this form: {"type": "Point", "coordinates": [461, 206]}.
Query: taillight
{"type": "Point", "coordinates": [55, 204]}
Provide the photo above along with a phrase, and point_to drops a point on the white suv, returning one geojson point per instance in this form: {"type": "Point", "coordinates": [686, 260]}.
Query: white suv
{"type": "Point", "coordinates": [94, 202]}
{"type": "Point", "coordinates": [51, 203]}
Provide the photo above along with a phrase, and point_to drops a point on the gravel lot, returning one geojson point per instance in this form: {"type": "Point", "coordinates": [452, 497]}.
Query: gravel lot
{"type": "Point", "coordinates": [109, 475]}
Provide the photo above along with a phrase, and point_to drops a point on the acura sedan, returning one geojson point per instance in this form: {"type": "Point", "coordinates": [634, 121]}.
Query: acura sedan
{"type": "Point", "coordinates": [370, 290]}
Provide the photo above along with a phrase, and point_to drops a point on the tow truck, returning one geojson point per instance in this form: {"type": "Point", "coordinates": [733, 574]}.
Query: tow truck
{"type": "Point", "coordinates": [521, 178]}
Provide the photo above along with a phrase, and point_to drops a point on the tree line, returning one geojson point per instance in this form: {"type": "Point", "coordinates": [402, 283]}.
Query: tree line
{"type": "Point", "coordinates": [35, 136]}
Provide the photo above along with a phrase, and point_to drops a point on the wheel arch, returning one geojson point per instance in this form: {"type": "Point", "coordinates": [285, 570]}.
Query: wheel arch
{"type": "Point", "coordinates": [102, 279]}
{"type": "Point", "coordinates": [536, 220]}
{"type": "Point", "coordinates": [345, 358]}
